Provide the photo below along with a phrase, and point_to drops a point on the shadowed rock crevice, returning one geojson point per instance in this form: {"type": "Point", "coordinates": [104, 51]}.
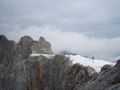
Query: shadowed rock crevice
{"type": "Point", "coordinates": [35, 72]}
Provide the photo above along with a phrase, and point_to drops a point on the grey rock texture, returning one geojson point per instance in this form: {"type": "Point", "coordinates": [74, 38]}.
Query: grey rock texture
{"type": "Point", "coordinates": [23, 50]}
{"type": "Point", "coordinates": [41, 46]}
{"type": "Point", "coordinates": [24, 46]}
{"type": "Point", "coordinates": [20, 71]}
{"type": "Point", "coordinates": [12, 63]}
{"type": "Point", "coordinates": [106, 68]}
{"type": "Point", "coordinates": [35, 72]}
{"type": "Point", "coordinates": [57, 73]}
{"type": "Point", "coordinates": [7, 76]}
{"type": "Point", "coordinates": [107, 79]}
{"type": "Point", "coordinates": [79, 74]}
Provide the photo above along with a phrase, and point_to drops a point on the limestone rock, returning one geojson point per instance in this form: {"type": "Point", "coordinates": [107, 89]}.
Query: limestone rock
{"type": "Point", "coordinates": [41, 47]}
{"type": "Point", "coordinates": [79, 74]}
{"type": "Point", "coordinates": [108, 79]}
{"type": "Point", "coordinates": [27, 45]}
{"type": "Point", "coordinates": [106, 68]}
{"type": "Point", "coordinates": [18, 71]}
{"type": "Point", "coordinates": [7, 51]}
{"type": "Point", "coordinates": [24, 46]}
{"type": "Point", "coordinates": [35, 72]}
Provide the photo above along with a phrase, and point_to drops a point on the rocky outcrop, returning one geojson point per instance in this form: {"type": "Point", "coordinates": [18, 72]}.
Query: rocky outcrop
{"type": "Point", "coordinates": [106, 68]}
{"type": "Point", "coordinates": [107, 79]}
{"type": "Point", "coordinates": [7, 76]}
{"type": "Point", "coordinates": [57, 73]}
{"type": "Point", "coordinates": [12, 62]}
{"type": "Point", "coordinates": [41, 46]}
{"type": "Point", "coordinates": [79, 74]}
{"type": "Point", "coordinates": [24, 46]}
{"type": "Point", "coordinates": [27, 45]}
{"type": "Point", "coordinates": [20, 71]}
{"type": "Point", "coordinates": [35, 72]}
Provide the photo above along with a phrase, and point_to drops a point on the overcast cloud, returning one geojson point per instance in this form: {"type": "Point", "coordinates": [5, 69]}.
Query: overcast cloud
{"type": "Point", "coordinates": [92, 27]}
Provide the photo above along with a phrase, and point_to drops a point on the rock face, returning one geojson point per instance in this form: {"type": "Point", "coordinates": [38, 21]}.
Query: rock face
{"type": "Point", "coordinates": [24, 46]}
{"type": "Point", "coordinates": [27, 45]}
{"type": "Point", "coordinates": [107, 79]}
{"type": "Point", "coordinates": [13, 59]}
{"type": "Point", "coordinates": [7, 77]}
{"type": "Point", "coordinates": [41, 47]}
{"type": "Point", "coordinates": [57, 73]}
{"type": "Point", "coordinates": [20, 71]}
{"type": "Point", "coordinates": [35, 72]}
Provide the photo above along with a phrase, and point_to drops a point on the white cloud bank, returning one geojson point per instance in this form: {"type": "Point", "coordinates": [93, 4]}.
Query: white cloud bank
{"type": "Point", "coordinates": [73, 41]}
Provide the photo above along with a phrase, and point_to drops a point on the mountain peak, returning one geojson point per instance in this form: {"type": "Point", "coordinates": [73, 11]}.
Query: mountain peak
{"type": "Point", "coordinates": [3, 37]}
{"type": "Point", "coordinates": [42, 39]}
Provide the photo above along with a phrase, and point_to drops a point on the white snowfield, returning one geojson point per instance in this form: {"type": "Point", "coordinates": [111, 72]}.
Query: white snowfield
{"type": "Point", "coordinates": [94, 63]}
{"type": "Point", "coordinates": [46, 55]}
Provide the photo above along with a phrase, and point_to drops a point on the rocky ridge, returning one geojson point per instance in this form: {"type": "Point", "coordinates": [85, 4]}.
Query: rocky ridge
{"type": "Point", "coordinates": [19, 71]}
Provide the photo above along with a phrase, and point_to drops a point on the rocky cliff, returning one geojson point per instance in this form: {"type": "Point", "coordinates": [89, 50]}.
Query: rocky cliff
{"type": "Point", "coordinates": [41, 46]}
{"type": "Point", "coordinates": [7, 52]}
{"type": "Point", "coordinates": [20, 71]}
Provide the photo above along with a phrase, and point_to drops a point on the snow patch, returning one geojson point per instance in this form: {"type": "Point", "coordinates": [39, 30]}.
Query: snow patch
{"type": "Point", "coordinates": [94, 63]}
{"type": "Point", "coordinates": [46, 55]}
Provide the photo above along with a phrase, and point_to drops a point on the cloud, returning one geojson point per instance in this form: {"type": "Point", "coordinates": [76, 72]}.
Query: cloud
{"type": "Point", "coordinates": [105, 48]}
{"type": "Point", "coordinates": [99, 18]}
{"type": "Point", "coordinates": [88, 27]}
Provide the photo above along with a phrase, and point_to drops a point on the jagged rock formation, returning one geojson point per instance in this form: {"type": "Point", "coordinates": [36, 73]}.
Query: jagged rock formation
{"type": "Point", "coordinates": [20, 71]}
{"type": "Point", "coordinates": [41, 47]}
{"type": "Point", "coordinates": [107, 79]}
{"type": "Point", "coordinates": [24, 46]}
{"type": "Point", "coordinates": [7, 77]}
{"type": "Point", "coordinates": [12, 62]}
{"type": "Point", "coordinates": [57, 73]}
{"type": "Point", "coordinates": [35, 72]}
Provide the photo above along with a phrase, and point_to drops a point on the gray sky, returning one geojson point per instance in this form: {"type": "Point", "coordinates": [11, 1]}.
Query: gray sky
{"type": "Point", "coordinates": [92, 27]}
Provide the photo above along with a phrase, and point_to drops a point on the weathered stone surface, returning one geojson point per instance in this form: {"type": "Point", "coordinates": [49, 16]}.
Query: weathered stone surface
{"type": "Point", "coordinates": [35, 72]}
{"type": "Point", "coordinates": [19, 71]}
{"type": "Point", "coordinates": [106, 68]}
{"type": "Point", "coordinates": [107, 79]}
{"type": "Point", "coordinates": [23, 50]}
{"type": "Point", "coordinates": [27, 45]}
{"type": "Point", "coordinates": [24, 46]}
{"type": "Point", "coordinates": [12, 63]}
{"type": "Point", "coordinates": [56, 73]}
{"type": "Point", "coordinates": [7, 77]}
{"type": "Point", "coordinates": [41, 47]}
